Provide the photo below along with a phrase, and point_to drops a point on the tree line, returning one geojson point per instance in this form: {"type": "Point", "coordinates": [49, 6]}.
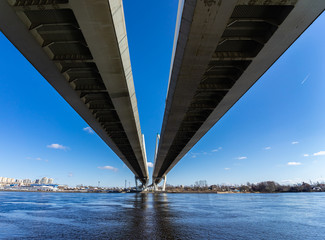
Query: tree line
{"type": "Point", "coordinates": [262, 187]}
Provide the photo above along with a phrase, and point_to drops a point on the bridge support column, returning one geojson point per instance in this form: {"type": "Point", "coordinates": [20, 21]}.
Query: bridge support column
{"type": "Point", "coordinates": [136, 183]}
{"type": "Point", "coordinates": [164, 184]}
{"type": "Point", "coordinates": [144, 186]}
{"type": "Point", "coordinates": [155, 187]}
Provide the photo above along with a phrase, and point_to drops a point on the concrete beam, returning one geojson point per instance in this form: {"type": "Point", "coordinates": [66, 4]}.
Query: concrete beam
{"type": "Point", "coordinates": [102, 24]}
{"type": "Point", "coordinates": [116, 69]}
{"type": "Point", "coordinates": [196, 42]}
{"type": "Point", "coordinates": [190, 60]}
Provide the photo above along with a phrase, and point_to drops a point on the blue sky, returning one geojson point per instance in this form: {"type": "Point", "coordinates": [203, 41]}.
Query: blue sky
{"type": "Point", "coordinates": [275, 131]}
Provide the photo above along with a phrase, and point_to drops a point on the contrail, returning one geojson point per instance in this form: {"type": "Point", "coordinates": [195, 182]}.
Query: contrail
{"type": "Point", "coordinates": [305, 79]}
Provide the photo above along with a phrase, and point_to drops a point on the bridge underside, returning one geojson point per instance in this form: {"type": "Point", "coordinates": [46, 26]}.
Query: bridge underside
{"type": "Point", "coordinates": [81, 49]}
{"type": "Point", "coordinates": [221, 49]}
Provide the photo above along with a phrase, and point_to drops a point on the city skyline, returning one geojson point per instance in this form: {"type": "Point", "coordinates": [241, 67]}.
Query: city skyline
{"type": "Point", "coordinates": [43, 180]}
{"type": "Point", "coordinates": [274, 132]}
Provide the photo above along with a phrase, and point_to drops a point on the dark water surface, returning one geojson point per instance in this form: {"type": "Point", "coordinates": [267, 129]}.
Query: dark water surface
{"type": "Point", "coordinates": [162, 216]}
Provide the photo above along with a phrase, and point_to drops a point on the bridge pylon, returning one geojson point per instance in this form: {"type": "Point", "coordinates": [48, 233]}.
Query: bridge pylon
{"type": "Point", "coordinates": [164, 184]}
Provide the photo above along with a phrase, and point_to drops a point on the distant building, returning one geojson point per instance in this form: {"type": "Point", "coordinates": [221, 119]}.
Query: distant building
{"type": "Point", "coordinates": [11, 180]}
{"type": "Point", "coordinates": [19, 181]}
{"type": "Point", "coordinates": [44, 180]}
{"type": "Point", "coordinates": [27, 181]}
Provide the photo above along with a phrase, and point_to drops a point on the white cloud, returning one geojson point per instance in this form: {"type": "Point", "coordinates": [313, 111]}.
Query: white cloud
{"type": "Point", "coordinates": [267, 148]}
{"type": "Point", "coordinates": [57, 146]}
{"type": "Point", "coordinates": [227, 168]}
{"type": "Point", "coordinates": [306, 155]}
{"type": "Point", "coordinates": [295, 142]}
{"type": "Point", "coordinates": [37, 159]}
{"type": "Point", "coordinates": [241, 158]}
{"type": "Point", "coordinates": [217, 149]}
{"type": "Point", "coordinates": [150, 164]}
{"type": "Point", "coordinates": [88, 130]}
{"type": "Point", "coordinates": [70, 174]}
{"type": "Point", "coordinates": [320, 153]}
{"type": "Point", "coordinates": [108, 168]}
{"type": "Point", "coordinates": [294, 163]}
{"type": "Point", "coordinates": [194, 156]}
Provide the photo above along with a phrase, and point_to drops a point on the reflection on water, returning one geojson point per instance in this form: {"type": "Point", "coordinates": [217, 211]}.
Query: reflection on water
{"type": "Point", "coordinates": [161, 216]}
{"type": "Point", "coordinates": [149, 218]}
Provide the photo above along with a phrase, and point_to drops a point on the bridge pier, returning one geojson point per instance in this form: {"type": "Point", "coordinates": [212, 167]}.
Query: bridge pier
{"type": "Point", "coordinates": [140, 186]}
{"type": "Point", "coordinates": [155, 187]}
{"type": "Point", "coordinates": [164, 184]}
{"type": "Point", "coordinates": [144, 186]}
{"type": "Point", "coordinates": [155, 184]}
{"type": "Point", "coordinates": [136, 182]}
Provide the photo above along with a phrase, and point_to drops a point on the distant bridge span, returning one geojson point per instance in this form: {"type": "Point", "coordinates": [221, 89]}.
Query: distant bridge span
{"type": "Point", "coordinates": [221, 48]}
{"type": "Point", "coordinates": [80, 47]}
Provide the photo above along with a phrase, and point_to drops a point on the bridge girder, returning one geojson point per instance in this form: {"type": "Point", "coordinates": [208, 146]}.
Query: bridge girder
{"type": "Point", "coordinates": [80, 47]}
{"type": "Point", "coordinates": [221, 48]}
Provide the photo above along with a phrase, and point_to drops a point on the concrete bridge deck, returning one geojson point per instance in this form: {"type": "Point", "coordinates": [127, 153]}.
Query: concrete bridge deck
{"type": "Point", "coordinates": [221, 49]}
{"type": "Point", "coordinates": [80, 47]}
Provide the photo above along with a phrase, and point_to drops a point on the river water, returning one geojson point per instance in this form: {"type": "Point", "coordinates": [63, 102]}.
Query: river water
{"type": "Point", "coordinates": [161, 216]}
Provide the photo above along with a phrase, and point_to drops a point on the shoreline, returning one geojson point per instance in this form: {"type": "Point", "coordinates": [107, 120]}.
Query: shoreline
{"type": "Point", "coordinates": [158, 192]}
